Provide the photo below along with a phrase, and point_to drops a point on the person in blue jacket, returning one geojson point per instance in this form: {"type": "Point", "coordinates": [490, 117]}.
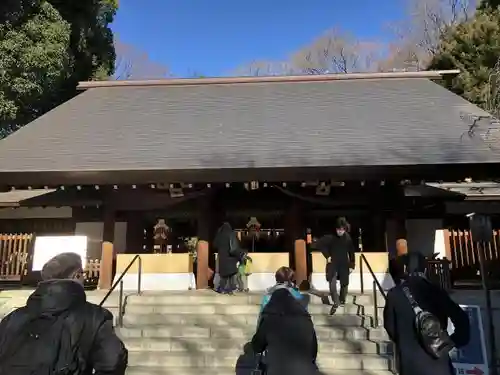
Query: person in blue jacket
{"type": "Point", "coordinates": [285, 279]}
{"type": "Point", "coordinates": [285, 327]}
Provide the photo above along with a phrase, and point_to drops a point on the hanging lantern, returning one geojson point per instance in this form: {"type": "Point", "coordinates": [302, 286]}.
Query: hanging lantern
{"type": "Point", "coordinates": [253, 227]}
{"type": "Point", "coordinates": [160, 236]}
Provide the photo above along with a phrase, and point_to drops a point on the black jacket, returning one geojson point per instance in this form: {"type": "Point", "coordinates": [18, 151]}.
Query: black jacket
{"type": "Point", "coordinates": [399, 324]}
{"type": "Point", "coordinates": [406, 264]}
{"type": "Point", "coordinates": [342, 253]}
{"type": "Point", "coordinates": [229, 252]}
{"type": "Point", "coordinates": [100, 348]}
{"type": "Point", "coordinates": [287, 332]}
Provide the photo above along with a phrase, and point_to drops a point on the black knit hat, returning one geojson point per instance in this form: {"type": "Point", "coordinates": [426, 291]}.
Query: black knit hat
{"type": "Point", "coordinates": [341, 222]}
{"type": "Point", "coordinates": [62, 266]}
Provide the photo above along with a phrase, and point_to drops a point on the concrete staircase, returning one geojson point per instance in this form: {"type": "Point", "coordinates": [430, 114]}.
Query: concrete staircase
{"type": "Point", "coordinates": [201, 332]}
{"type": "Point", "coordinates": [13, 299]}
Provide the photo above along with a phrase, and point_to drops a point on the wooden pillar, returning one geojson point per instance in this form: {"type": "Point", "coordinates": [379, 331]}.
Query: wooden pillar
{"type": "Point", "coordinates": [295, 240]}
{"type": "Point", "coordinates": [400, 221]}
{"type": "Point", "coordinates": [202, 268]}
{"type": "Point", "coordinates": [447, 244]}
{"type": "Point", "coordinates": [300, 261]}
{"type": "Point", "coordinates": [108, 233]}
{"type": "Point", "coordinates": [106, 271]}
{"type": "Point", "coordinates": [202, 265]}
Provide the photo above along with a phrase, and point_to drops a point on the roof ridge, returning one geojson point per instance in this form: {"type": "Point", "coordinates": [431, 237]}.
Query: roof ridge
{"type": "Point", "coordinates": [430, 74]}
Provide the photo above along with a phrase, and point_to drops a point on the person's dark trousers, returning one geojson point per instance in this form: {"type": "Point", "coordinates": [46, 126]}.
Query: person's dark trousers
{"type": "Point", "coordinates": [336, 298]}
{"type": "Point", "coordinates": [227, 284]}
{"type": "Point", "coordinates": [223, 284]}
{"type": "Point", "coordinates": [333, 291]}
{"type": "Point", "coordinates": [240, 285]}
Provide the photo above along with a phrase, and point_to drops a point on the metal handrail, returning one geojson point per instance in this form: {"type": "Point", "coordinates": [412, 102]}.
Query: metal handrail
{"type": "Point", "coordinates": [120, 282]}
{"type": "Point", "coordinates": [376, 285]}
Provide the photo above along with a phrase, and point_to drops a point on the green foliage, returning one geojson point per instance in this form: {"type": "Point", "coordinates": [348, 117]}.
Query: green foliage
{"type": "Point", "coordinates": [46, 48]}
{"type": "Point", "coordinates": [474, 48]}
{"type": "Point", "coordinates": [34, 61]}
{"type": "Point", "coordinates": [484, 4]}
{"type": "Point", "coordinates": [91, 38]}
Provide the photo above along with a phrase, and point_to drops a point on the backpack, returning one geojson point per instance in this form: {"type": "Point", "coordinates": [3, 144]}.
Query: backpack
{"type": "Point", "coordinates": [248, 267]}
{"type": "Point", "coordinates": [234, 245]}
{"type": "Point", "coordinates": [432, 337]}
{"type": "Point", "coordinates": [42, 345]}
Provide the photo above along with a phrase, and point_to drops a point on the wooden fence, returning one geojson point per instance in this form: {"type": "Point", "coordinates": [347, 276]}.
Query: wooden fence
{"type": "Point", "coordinates": [15, 253]}
{"type": "Point", "coordinates": [464, 255]}
{"type": "Point", "coordinates": [92, 272]}
{"type": "Point", "coordinates": [14, 249]}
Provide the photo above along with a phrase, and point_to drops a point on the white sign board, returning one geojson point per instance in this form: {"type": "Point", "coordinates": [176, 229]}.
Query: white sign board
{"type": "Point", "coordinates": [47, 247]}
{"type": "Point", "coordinates": [471, 359]}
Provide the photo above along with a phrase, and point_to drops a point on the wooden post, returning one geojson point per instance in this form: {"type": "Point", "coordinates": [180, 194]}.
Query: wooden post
{"type": "Point", "coordinates": [300, 261]}
{"type": "Point", "coordinates": [202, 265]}
{"type": "Point", "coordinates": [109, 219]}
{"type": "Point", "coordinates": [203, 231]}
{"type": "Point", "coordinates": [106, 272]}
{"type": "Point", "coordinates": [447, 245]}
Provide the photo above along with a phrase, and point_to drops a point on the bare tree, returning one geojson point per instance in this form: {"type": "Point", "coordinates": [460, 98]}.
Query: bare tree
{"type": "Point", "coordinates": [261, 68]}
{"type": "Point", "coordinates": [132, 63]}
{"type": "Point", "coordinates": [419, 34]}
{"type": "Point", "coordinates": [336, 52]}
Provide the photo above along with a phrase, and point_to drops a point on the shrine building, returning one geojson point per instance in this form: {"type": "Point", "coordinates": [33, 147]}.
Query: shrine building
{"type": "Point", "coordinates": [288, 154]}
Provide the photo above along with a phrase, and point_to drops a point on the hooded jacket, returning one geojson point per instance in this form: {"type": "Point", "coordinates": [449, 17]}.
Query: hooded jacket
{"type": "Point", "coordinates": [286, 332]}
{"type": "Point", "coordinates": [228, 249]}
{"type": "Point", "coordinates": [100, 348]}
{"type": "Point", "coordinates": [269, 292]}
{"type": "Point", "coordinates": [399, 319]}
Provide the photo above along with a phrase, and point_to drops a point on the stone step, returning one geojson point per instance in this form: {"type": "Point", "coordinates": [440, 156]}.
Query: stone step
{"type": "Point", "coordinates": [201, 320]}
{"type": "Point", "coordinates": [136, 309]}
{"type": "Point", "coordinates": [195, 346]}
{"type": "Point", "coordinates": [245, 332]}
{"type": "Point", "coordinates": [210, 297]}
{"type": "Point", "coordinates": [326, 361]}
{"type": "Point", "coordinates": [141, 370]}
{"type": "Point", "coordinates": [17, 298]}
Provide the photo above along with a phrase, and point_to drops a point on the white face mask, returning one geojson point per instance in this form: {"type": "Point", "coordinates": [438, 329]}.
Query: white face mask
{"type": "Point", "coordinates": [340, 232]}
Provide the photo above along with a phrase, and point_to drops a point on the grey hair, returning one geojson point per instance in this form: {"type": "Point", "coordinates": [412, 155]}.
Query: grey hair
{"type": "Point", "coordinates": [62, 266]}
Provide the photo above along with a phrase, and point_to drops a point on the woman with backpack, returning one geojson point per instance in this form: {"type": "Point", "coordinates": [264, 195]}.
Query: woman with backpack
{"type": "Point", "coordinates": [285, 331]}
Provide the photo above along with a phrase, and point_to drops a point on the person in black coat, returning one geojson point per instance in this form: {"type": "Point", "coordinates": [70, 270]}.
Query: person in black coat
{"type": "Point", "coordinates": [229, 254]}
{"type": "Point", "coordinates": [286, 332]}
{"type": "Point", "coordinates": [339, 251]}
{"type": "Point", "coordinates": [399, 319]}
{"type": "Point", "coordinates": [61, 295]}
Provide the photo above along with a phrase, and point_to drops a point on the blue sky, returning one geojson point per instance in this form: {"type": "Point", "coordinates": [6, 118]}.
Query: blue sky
{"type": "Point", "coordinates": [214, 37]}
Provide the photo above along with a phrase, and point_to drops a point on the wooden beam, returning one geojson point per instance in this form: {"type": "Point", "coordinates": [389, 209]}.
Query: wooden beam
{"type": "Point", "coordinates": [432, 74]}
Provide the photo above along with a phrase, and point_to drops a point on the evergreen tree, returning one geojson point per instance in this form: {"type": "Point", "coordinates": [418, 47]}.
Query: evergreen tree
{"type": "Point", "coordinates": [473, 47]}
{"type": "Point", "coordinates": [46, 48]}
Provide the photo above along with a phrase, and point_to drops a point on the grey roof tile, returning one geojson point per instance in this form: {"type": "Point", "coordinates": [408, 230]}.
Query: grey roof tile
{"type": "Point", "coordinates": [297, 124]}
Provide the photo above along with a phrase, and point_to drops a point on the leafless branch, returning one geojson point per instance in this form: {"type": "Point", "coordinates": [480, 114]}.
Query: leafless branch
{"type": "Point", "coordinates": [335, 52]}
{"type": "Point", "coordinates": [132, 63]}
{"type": "Point", "coordinates": [418, 36]}
{"type": "Point", "coordinates": [264, 68]}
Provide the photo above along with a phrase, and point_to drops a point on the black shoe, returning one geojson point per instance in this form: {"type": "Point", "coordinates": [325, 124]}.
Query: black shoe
{"type": "Point", "coordinates": [342, 302]}
{"type": "Point", "coordinates": [333, 310]}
